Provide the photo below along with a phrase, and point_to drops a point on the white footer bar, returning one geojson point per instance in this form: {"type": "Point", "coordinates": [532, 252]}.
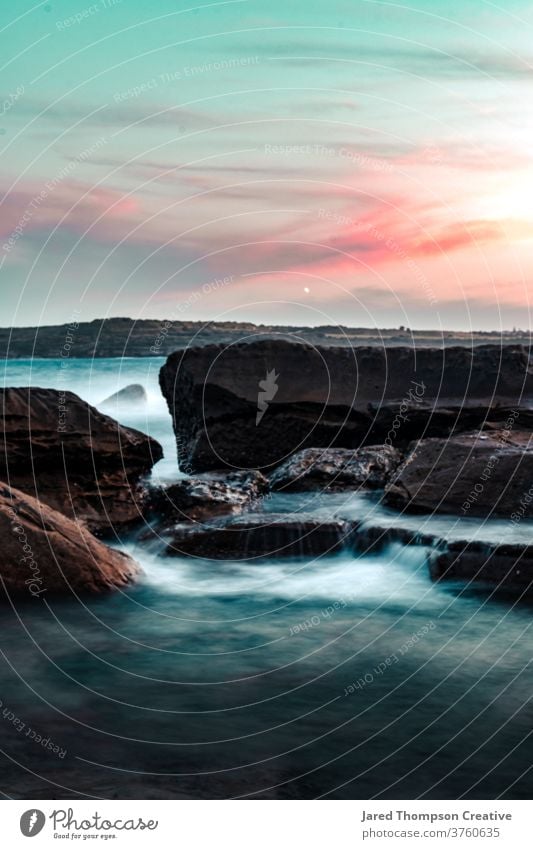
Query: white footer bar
{"type": "Point", "coordinates": [267, 824]}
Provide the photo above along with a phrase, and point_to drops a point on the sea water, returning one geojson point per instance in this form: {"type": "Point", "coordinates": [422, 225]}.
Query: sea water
{"type": "Point", "coordinates": [345, 676]}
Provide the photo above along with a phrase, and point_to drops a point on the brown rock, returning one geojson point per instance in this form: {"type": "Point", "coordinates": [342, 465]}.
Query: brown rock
{"type": "Point", "coordinates": [475, 474]}
{"type": "Point", "coordinates": [46, 552]}
{"type": "Point", "coordinates": [66, 453]}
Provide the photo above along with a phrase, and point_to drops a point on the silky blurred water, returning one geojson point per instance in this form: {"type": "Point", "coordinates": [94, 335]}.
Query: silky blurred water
{"type": "Point", "coordinates": [345, 677]}
{"type": "Point", "coordinates": [95, 381]}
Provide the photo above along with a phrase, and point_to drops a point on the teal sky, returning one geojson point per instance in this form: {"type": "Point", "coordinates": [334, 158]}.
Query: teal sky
{"type": "Point", "coordinates": [364, 163]}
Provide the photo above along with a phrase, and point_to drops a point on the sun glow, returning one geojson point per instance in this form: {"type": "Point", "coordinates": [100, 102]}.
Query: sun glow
{"type": "Point", "coordinates": [512, 204]}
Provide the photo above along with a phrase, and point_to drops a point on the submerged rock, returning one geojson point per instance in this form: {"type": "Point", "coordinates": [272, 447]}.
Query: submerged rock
{"type": "Point", "coordinates": [43, 551]}
{"type": "Point", "coordinates": [254, 405]}
{"type": "Point", "coordinates": [260, 535]}
{"type": "Point", "coordinates": [474, 474]}
{"type": "Point", "coordinates": [337, 469]}
{"type": "Point", "coordinates": [134, 393]}
{"type": "Point", "coordinates": [58, 448]}
{"type": "Point", "coordinates": [208, 496]}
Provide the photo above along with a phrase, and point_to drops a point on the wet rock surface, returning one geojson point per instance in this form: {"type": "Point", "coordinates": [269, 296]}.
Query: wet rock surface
{"type": "Point", "coordinates": [43, 552]}
{"type": "Point", "coordinates": [60, 449]}
{"type": "Point", "coordinates": [260, 535]}
{"type": "Point", "coordinates": [486, 473]}
{"type": "Point", "coordinates": [336, 469]}
{"type": "Point", "coordinates": [508, 567]}
{"type": "Point", "coordinates": [207, 496]}
{"type": "Point", "coordinates": [254, 405]}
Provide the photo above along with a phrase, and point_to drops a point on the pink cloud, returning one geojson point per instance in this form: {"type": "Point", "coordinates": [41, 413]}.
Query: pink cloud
{"type": "Point", "coordinates": [76, 205]}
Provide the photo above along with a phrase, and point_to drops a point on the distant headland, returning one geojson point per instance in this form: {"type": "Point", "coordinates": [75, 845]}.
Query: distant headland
{"type": "Point", "coordinates": [126, 337]}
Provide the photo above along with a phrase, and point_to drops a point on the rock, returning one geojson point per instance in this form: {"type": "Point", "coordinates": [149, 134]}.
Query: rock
{"type": "Point", "coordinates": [134, 393]}
{"type": "Point", "coordinates": [336, 469]}
{"type": "Point", "coordinates": [69, 455]}
{"type": "Point", "coordinates": [260, 535]}
{"type": "Point", "coordinates": [254, 405]}
{"type": "Point", "coordinates": [372, 539]}
{"type": "Point", "coordinates": [208, 496]}
{"type": "Point", "coordinates": [473, 474]}
{"type": "Point", "coordinates": [44, 552]}
{"type": "Point", "coordinates": [508, 567]}
{"type": "Point", "coordinates": [497, 566]}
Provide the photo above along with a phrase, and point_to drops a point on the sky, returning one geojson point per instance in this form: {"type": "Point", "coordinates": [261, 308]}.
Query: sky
{"type": "Point", "coordinates": [355, 162]}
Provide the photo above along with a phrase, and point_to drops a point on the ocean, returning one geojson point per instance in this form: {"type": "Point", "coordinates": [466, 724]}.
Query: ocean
{"type": "Point", "coordinates": [350, 676]}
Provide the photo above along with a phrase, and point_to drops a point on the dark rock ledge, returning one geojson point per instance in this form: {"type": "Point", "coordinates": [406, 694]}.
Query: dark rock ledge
{"type": "Point", "coordinates": [259, 536]}
{"type": "Point", "coordinates": [262, 535]}
{"type": "Point", "coordinates": [484, 473]}
{"type": "Point", "coordinates": [499, 566]}
{"type": "Point", "coordinates": [334, 397]}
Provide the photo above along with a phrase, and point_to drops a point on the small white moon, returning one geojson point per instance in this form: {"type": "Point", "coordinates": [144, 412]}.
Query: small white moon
{"type": "Point", "coordinates": [306, 290]}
